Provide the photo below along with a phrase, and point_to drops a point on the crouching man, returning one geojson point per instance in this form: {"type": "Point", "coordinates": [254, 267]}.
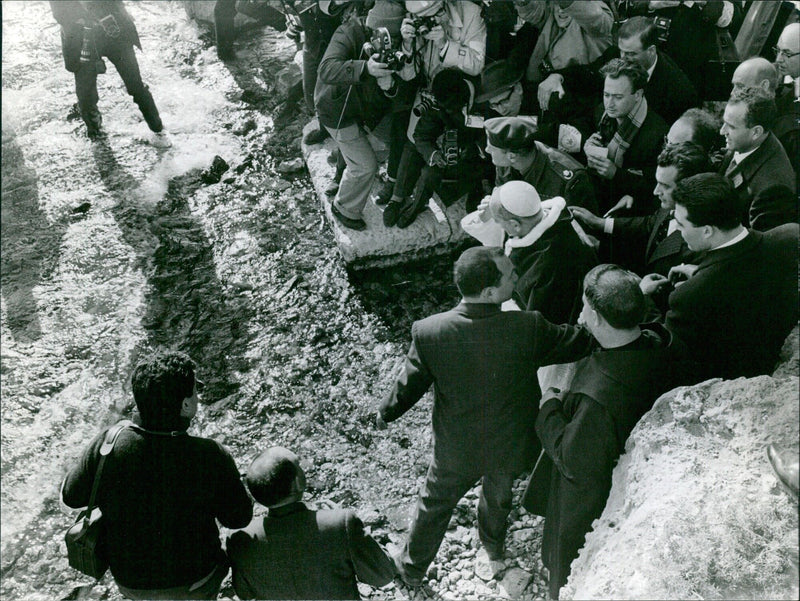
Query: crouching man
{"type": "Point", "coordinates": [295, 552]}
{"type": "Point", "coordinates": [583, 430]}
{"type": "Point", "coordinates": [162, 491]}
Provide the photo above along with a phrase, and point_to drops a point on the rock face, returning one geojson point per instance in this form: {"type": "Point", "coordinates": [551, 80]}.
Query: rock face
{"type": "Point", "coordinates": [695, 510]}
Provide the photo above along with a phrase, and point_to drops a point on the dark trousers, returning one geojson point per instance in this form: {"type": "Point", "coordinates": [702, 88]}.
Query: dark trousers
{"type": "Point", "coordinates": [438, 497]}
{"type": "Point", "coordinates": [123, 57]}
{"type": "Point", "coordinates": [318, 29]}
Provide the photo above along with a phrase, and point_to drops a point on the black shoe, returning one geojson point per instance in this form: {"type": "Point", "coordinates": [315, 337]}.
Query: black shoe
{"type": "Point", "coordinates": [385, 193]}
{"type": "Point", "coordinates": [354, 224]}
{"type": "Point", "coordinates": [316, 136]}
{"type": "Point", "coordinates": [409, 213]}
{"type": "Point", "coordinates": [332, 188]}
{"type": "Point", "coordinates": [391, 212]}
{"type": "Point", "coordinates": [401, 572]}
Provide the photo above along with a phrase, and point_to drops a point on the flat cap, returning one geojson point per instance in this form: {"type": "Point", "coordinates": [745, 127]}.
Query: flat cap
{"type": "Point", "coordinates": [511, 133]}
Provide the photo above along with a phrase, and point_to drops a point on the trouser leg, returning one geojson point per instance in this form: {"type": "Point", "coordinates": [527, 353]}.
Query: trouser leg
{"type": "Point", "coordinates": [494, 505]}
{"type": "Point", "coordinates": [358, 176]}
{"type": "Point", "coordinates": [124, 59]}
{"type": "Point", "coordinates": [86, 90]}
{"type": "Point", "coordinates": [397, 142]}
{"type": "Point", "coordinates": [408, 170]}
{"type": "Point", "coordinates": [224, 31]}
{"type": "Point", "coordinates": [438, 497]}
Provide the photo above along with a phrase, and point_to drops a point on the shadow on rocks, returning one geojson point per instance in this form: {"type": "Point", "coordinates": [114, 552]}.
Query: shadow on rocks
{"type": "Point", "coordinates": [30, 244]}
{"type": "Point", "coordinates": [187, 307]}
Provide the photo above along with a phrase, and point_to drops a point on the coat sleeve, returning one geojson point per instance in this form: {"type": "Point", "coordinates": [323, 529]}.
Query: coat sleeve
{"type": "Point", "coordinates": [67, 12]}
{"type": "Point", "coordinates": [560, 343]}
{"type": "Point", "coordinates": [336, 66]}
{"type": "Point", "coordinates": [370, 562]}
{"type": "Point", "coordinates": [77, 485]}
{"type": "Point", "coordinates": [413, 382]}
{"type": "Point", "coordinates": [233, 506]}
{"type": "Point", "coordinates": [580, 192]}
{"type": "Point", "coordinates": [467, 53]}
{"type": "Point", "coordinates": [773, 206]}
{"type": "Point", "coordinates": [594, 16]}
{"type": "Point", "coordinates": [582, 446]}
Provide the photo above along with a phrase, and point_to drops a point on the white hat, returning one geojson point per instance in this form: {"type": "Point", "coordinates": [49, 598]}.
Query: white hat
{"type": "Point", "coordinates": [518, 198]}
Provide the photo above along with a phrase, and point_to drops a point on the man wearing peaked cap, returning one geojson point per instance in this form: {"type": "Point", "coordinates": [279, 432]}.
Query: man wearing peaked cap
{"type": "Point", "coordinates": [518, 156]}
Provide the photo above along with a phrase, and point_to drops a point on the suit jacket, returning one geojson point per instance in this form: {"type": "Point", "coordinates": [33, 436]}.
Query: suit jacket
{"type": "Point", "coordinates": [637, 176]}
{"type": "Point", "coordinates": [551, 272]}
{"type": "Point", "coordinates": [765, 185]}
{"type": "Point", "coordinates": [659, 257]}
{"type": "Point", "coordinates": [669, 91]}
{"type": "Point", "coordinates": [482, 363]}
{"type": "Point", "coordinates": [555, 173]}
{"type": "Point", "coordinates": [583, 435]}
{"type": "Point", "coordinates": [297, 553]}
{"type": "Point", "coordinates": [787, 127]}
{"type": "Point", "coordinates": [735, 312]}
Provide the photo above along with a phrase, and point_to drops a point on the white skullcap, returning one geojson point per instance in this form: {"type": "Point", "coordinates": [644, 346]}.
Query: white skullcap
{"type": "Point", "coordinates": [518, 198]}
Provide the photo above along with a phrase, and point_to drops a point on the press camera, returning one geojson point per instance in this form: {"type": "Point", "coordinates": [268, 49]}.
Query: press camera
{"type": "Point", "coordinates": [381, 44]}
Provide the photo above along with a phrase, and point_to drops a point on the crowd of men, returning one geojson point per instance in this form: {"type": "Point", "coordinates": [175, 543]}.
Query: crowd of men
{"type": "Point", "coordinates": [626, 229]}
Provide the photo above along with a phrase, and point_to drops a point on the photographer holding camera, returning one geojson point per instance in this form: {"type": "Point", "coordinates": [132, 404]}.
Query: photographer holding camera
{"type": "Point", "coordinates": [352, 96]}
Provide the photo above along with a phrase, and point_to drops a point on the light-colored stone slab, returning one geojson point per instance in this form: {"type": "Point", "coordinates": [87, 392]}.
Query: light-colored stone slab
{"type": "Point", "coordinates": [436, 231]}
{"type": "Point", "coordinates": [514, 582]}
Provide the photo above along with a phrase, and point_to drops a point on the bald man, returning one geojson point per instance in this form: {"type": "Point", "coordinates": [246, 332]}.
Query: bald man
{"type": "Point", "coordinates": [787, 63]}
{"type": "Point", "coordinates": [756, 72]}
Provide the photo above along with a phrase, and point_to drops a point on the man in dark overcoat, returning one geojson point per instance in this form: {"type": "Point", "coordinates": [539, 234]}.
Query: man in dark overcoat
{"type": "Point", "coordinates": [295, 552]}
{"type": "Point", "coordinates": [741, 301]}
{"type": "Point", "coordinates": [583, 430]}
{"type": "Point", "coordinates": [482, 362]}
{"type": "Point", "coordinates": [95, 29]}
{"type": "Point", "coordinates": [756, 162]}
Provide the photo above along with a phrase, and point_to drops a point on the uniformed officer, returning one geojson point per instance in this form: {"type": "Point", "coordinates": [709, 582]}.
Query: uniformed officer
{"type": "Point", "coordinates": [517, 156]}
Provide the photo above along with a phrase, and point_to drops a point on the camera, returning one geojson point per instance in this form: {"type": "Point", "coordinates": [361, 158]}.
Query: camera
{"type": "Point", "coordinates": [381, 44]}
{"type": "Point", "coordinates": [662, 25]}
{"type": "Point", "coordinates": [423, 25]}
{"type": "Point", "coordinates": [450, 147]}
{"type": "Point", "coordinates": [427, 102]}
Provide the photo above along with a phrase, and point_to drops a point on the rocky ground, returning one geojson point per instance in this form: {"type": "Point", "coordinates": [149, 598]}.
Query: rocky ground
{"type": "Point", "coordinates": [114, 248]}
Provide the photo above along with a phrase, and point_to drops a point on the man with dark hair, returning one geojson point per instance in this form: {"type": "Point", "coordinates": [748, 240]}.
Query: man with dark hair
{"type": "Point", "coordinates": [517, 155]}
{"type": "Point", "coordinates": [756, 162]}
{"type": "Point", "coordinates": [653, 244]}
{"type": "Point", "coordinates": [93, 30]}
{"type": "Point", "coordinates": [483, 363]}
{"type": "Point", "coordinates": [295, 552]}
{"type": "Point", "coordinates": [622, 154]}
{"type": "Point", "coordinates": [583, 430]}
{"type": "Point", "coordinates": [740, 302]}
{"type": "Point", "coordinates": [162, 490]}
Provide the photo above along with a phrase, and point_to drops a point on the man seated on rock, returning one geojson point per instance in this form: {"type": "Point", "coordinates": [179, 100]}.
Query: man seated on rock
{"type": "Point", "coordinates": [500, 92]}
{"type": "Point", "coordinates": [162, 490]}
{"type": "Point", "coordinates": [543, 245]}
{"type": "Point", "coordinates": [297, 553]}
{"type": "Point", "coordinates": [653, 244]}
{"type": "Point", "coordinates": [583, 430]}
{"type": "Point", "coordinates": [622, 153]}
{"type": "Point", "coordinates": [351, 97]}
{"type": "Point", "coordinates": [517, 155]}
{"type": "Point", "coordinates": [740, 302]}
{"type": "Point", "coordinates": [482, 362]}
{"type": "Point", "coordinates": [756, 162]}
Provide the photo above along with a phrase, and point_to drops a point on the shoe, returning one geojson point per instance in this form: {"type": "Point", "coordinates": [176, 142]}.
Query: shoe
{"type": "Point", "coordinates": [316, 136]}
{"type": "Point", "coordinates": [487, 568]}
{"type": "Point", "coordinates": [401, 573]}
{"type": "Point", "coordinates": [354, 224]}
{"type": "Point", "coordinates": [391, 212]}
{"type": "Point", "coordinates": [786, 469]}
{"type": "Point", "coordinates": [160, 139]}
{"type": "Point", "coordinates": [385, 193]}
{"type": "Point", "coordinates": [409, 212]}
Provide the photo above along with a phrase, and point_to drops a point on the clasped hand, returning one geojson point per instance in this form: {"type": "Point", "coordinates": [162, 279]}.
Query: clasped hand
{"type": "Point", "coordinates": [377, 69]}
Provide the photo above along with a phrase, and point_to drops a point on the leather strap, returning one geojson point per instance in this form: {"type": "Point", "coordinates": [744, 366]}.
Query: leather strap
{"type": "Point", "coordinates": [105, 450]}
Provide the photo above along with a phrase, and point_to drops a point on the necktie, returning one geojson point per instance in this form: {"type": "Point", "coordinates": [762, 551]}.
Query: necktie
{"type": "Point", "coordinates": [731, 167]}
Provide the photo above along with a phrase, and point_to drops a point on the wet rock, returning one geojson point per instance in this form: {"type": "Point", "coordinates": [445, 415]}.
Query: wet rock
{"type": "Point", "coordinates": [213, 174]}
{"type": "Point", "coordinates": [288, 78]}
{"type": "Point", "coordinates": [514, 582]}
{"type": "Point", "coordinates": [245, 128]}
{"type": "Point", "coordinates": [292, 166]}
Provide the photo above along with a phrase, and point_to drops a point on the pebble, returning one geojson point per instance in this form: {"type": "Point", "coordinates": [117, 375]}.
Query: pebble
{"type": "Point", "coordinates": [292, 166]}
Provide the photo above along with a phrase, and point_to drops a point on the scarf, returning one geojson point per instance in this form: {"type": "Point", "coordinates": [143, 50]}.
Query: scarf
{"type": "Point", "coordinates": [625, 132]}
{"type": "Point", "coordinates": [552, 211]}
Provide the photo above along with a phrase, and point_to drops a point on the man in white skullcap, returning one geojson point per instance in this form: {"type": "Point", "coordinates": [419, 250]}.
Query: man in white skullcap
{"type": "Point", "coordinates": [546, 250]}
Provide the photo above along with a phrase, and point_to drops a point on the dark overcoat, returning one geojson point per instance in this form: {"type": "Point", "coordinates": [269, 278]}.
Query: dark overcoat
{"type": "Point", "coordinates": [482, 363]}
{"type": "Point", "coordinates": [735, 312]}
{"type": "Point", "coordinates": [297, 553]}
{"type": "Point", "coordinates": [584, 434]}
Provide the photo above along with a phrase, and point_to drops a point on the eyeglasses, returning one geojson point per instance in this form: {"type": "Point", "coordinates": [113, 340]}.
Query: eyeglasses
{"type": "Point", "coordinates": [784, 52]}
